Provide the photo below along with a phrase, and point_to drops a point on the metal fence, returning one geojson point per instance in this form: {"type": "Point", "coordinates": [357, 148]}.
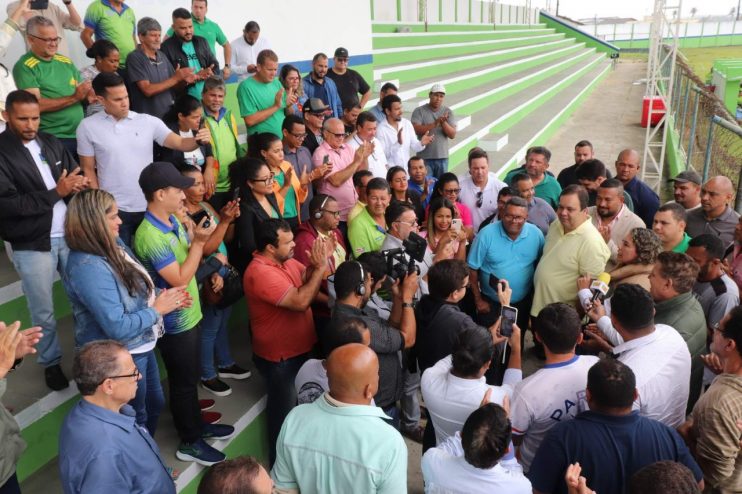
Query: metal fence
{"type": "Point", "coordinates": [692, 33]}
{"type": "Point", "coordinates": [709, 138]}
{"type": "Point", "coordinates": [493, 12]}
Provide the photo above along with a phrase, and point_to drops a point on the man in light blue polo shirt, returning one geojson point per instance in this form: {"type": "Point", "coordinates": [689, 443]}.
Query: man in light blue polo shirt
{"type": "Point", "coordinates": [339, 443]}
{"type": "Point", "coordinates": [507, 250]}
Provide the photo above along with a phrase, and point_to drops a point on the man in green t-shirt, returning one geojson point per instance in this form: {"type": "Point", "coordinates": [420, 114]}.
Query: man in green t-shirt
{"type": "Point", "coordinates": [223, 127]}
{"type": "Point", "coordinates": [54, 80]}
{"type": "Point", "coordinates": [262, 98]}
{"type": "Point", "coordinates": [112, 20]}
{"type": "Point", "coordinates": [162, 244]}
{"type": "Point", "coordinates": [669, 224]}
{"type": "Point", "coordinates": [210, 31]}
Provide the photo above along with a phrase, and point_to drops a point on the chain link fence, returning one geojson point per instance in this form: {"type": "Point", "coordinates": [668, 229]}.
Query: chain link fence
{"type": "Point", "coordinates": [710, 139]}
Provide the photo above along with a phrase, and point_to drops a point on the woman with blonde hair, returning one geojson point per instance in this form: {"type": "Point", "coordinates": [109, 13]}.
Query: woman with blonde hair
{"type": "Point", "coordinates": [113, 297]}
{"type": "Point", "coordinates": [636, 257]}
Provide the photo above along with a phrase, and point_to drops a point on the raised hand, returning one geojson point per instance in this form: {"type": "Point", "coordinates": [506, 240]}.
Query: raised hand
{"type": "Point", "coordinates": [278, 99]}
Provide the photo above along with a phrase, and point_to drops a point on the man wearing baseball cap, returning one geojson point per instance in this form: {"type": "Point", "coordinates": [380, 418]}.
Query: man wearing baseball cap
{"type": "Point", "coordinates": [315, 112]}
{"type": "Point", "coordinates": [687, 189]}
{"type": "Point", "coordinates": [349, 82]}
{"type": "Point", "coordinates": [438, 120]}
{"type": "Point", "coordinates": [162, 244]}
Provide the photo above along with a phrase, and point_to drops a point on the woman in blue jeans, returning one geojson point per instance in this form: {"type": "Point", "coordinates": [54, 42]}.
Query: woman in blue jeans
{"type": "Point", "coordinates": [112, 295]}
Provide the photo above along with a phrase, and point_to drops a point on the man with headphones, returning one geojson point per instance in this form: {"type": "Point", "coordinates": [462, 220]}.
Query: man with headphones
{"type": "Point", "coordinates": [353, 288]}
{"type": "Point", "coordinates": [324, 216]}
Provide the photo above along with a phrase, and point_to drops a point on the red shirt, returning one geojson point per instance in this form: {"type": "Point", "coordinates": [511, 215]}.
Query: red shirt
{"type": "Point", "coordinates": [277, 333]}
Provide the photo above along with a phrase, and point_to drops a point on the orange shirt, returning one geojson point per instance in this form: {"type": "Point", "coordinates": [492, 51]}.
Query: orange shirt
{"type": "Point", "coordinates": [277, 333]}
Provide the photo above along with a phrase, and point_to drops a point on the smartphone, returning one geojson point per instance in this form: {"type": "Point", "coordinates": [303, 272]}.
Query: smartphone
{"type": "Point", "coordinates": [509, 316]}
{"type": "Point", "coordinates": [236, 194]}
{"type": "Point", "coordinates": [326, 159]}
{"type": "Point", "coordinates": [197, 217]}
{"type": "Point", "coordinates": [494, 281]}
{"type": "Point", "coordinates": [38, 4]}
{"type": "Point", "coordinates": [201, 122]}
{"type": "Point", "coordinates": [457, 224]}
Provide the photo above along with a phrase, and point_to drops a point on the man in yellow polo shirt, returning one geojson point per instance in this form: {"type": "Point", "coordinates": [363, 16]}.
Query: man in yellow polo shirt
{"type": "Point", "coordinates": [574, 247]}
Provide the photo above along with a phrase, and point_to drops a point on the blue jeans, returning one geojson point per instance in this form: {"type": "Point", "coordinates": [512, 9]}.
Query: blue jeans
{"type": "Point", "coordinates": [393, 412]}
{"type": "Point", "coordinates": [36, 270]}
{"type": "Point", "coordinates": [214, 340]}
{"type": "Point", "coordinates": [129, 224]}
{"type": "Point", "coordinates": [279, 383]}
{"type": "Point", "coordinates": [437, 167]}
{"type": "Point", "coordinates": [150, 399]}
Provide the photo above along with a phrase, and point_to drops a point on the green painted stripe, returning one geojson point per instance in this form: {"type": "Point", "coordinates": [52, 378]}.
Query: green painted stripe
{"type": "Point", "coordinates": [17, 309]}
{"type": "Point", "coordinates": [253, 441]}
{"type": "Point", "coordinates": [419, 27]}
{"type": "Point", "coordinates": [42, 438]}
{"type": "Point", "coordinates": [482, 103]}
{"type": "Point", "coordinates": [418, 55]}
{"type": "Point", "coordinates": [435, 39]}
{"type": "Point", "coordinates": [405, 75]}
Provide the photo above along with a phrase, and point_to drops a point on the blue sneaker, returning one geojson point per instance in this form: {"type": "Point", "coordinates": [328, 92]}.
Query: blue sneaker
{"type": "Point", "coordinates": [199, 452]}
{"type": "Point", "coordinates": [217, 431]}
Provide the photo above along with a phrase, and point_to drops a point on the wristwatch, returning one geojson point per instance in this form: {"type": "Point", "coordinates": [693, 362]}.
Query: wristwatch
{"type": "Point", "coordinates": [408, 304]}
{"type": "Point", "coordinates": [226, 65]}
{"type": "Point", "coordinates": [67, 2]}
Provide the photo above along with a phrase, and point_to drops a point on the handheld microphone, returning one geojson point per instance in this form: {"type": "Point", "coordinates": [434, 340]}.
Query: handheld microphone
{"type": "Point", "coordinates": [599, 286]}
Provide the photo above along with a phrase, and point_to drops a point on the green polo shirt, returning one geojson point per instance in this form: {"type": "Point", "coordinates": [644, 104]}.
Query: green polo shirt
{"type": "Point", "coordinates": [254, 96]}
{"type": "Point", "coordinates": [55, 78]}
{"type": "Point", "coordinates": [548, 189]}
{"type": "Point", "coordinates": [364, 234]}
{"type": "Point", "coordinates": [116, 27]}
{"type": "Point", "coordinates": [207, 29]}
{"type": "Point", "coordinates": [158, 245]}
{"type": "Point", "coordinates": [683, 245]}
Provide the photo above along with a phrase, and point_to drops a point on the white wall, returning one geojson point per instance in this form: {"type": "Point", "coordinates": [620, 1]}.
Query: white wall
{"type": "Point", "coordinates": [641, 29]}
{"type": "Point", "coordinates": [297, 29]}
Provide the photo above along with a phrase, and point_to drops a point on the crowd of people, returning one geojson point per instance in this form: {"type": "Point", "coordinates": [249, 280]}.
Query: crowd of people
{"type": "Point", "coordinates": [386, 296]}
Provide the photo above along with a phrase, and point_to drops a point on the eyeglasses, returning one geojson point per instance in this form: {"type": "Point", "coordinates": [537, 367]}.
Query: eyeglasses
{"type": "Point", "coordinates": [343, 60]}
{"type": "Point", "coordinates": [136, 375]}
{"type": "Point", "coordinates": [480, 199]}
{"type": "Point", "coordinates": [414, 222]}
{"type": "Point", "coordinates": [299, 136]}
{"type": "Point", "coordinates": [336, 214]}
{"type": "Point", "coordinates": [451, 191]}
{"type": "Point", "coordinates": [48, 41]}
{"type": "Point", "coordinates": [510, 217]}
{"type": "Point", "coordinates": [339, 136]}
{"type": "Point", "coordinates": [266, 181]}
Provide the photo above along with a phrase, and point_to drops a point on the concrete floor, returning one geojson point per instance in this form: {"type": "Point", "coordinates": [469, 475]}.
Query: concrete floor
{"type": "Point", "coordinates": [609, 119]}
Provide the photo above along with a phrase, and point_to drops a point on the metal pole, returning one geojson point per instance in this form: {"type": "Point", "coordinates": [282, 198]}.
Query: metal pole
{"type": "Point", "coordinates": [738, 198]}
{"type": "Point", "coordinates": [685, 113]}
{"type": "Point", "coordinates": [709, 143]}
{"type": "Point", "coordinates": [692, 136]}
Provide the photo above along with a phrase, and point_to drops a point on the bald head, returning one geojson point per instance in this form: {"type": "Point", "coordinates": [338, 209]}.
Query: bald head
{"type": "Point", "coordinates": [627, 165]}
{"type": "Point", "coordinates": [334, 132]}
{"type": "Point", "coordinates": [353, 373]}
{"type": "Point", "coordinates": [716, 195]}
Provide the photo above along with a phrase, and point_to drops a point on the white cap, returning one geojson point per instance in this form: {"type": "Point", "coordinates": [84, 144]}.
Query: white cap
{"type": "Point", "coordinates": [438, 88]}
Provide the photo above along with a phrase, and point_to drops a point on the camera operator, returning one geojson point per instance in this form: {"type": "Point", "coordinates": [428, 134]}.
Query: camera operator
{"type": "Point", "coordinates": [353, 287]}
{"type": "Point", "coordinates": [401, 221]}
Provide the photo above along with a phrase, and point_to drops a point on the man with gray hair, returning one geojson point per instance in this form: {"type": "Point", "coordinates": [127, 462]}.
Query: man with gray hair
{"type": "Point", "coordinates": [62, 20]}
{"type": "Point", "coordinates": [101, 447]}
{"type": "Point", "coordinates": [150, 74]}
{"type": "Point", "coordinates": [54, 80]}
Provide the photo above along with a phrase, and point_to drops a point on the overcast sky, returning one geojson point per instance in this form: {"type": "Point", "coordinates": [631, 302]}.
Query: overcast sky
{"type": "Point", "coordinates": [635, 8]}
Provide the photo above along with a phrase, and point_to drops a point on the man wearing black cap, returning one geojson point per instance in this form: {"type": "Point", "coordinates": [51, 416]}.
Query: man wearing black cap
{"type": "Point", "coordinates": [687, 189]}
{"type": "Point", "coordinates": [314, 116]}
{"type": "Point", "coordinates": [162, 244]}
{"type": "Point", "coordinates": [349, 82]}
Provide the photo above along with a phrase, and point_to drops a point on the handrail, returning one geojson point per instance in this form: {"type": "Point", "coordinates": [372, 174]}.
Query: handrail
{"type": "Point", "coordinates": [584, 33]}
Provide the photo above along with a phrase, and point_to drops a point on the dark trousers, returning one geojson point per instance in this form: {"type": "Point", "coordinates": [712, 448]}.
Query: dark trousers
{"type": "Point", "coordinates": [393, 413]}
{"type": "Point", "coordinates": [281, 394]}
{"type": "Point", "coordinates": [11, 486]}
{"type": "Point", "coordinates": [70, 144]}
{"type": "Point", "coordinates": [181, 353]}
{"type": "Point", "coordinates": [129, 224]}
{"type": "Point", "coordinates": [429, 434]}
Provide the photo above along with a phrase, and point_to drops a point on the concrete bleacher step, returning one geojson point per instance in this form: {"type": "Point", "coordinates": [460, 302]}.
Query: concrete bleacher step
{"type": "Point", "coordinates": [408, 72]}
{"type": "Point", "coordinates": [393, 40]}
{"type": "Point", "coordinates": [378, 27]}
{"type": "Point", "coordinates": [403, 54]}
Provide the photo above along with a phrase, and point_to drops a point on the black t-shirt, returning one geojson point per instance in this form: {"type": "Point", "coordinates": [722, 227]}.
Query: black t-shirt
{"type": "Point", "coordinates": [349, 85]}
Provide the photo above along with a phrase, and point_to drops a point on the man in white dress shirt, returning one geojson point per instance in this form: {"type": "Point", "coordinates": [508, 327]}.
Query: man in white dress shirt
{"type": "Point", "coordinates": [480, 187]}
{"type": "Point", "coordinates": [366, 127]}
{"type": "Point", "coordinates": [245, 50]}
{"type": "Point", "coordinates": [397, 134]}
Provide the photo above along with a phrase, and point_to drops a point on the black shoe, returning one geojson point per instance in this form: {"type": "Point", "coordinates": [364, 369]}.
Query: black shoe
{"type": "Point", "coordinates": [216, 386]}
{"type": "Point", "coordinates": [55, 378]}
{"type": "Point", "coordinates": [234, 371]}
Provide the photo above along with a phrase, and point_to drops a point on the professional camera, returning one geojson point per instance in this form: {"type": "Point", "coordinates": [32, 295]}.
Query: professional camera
{"type": "Point", "coordinates": [401, 261]}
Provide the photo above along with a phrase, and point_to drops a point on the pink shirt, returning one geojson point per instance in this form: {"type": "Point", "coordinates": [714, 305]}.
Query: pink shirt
{"type": "Point", "coordinates": [465, 214]}
{"type": "Point", "coordinates": [340, 159]}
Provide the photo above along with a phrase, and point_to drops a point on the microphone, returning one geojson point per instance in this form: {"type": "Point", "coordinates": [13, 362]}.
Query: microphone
{"type": "Point", "coordinates": [599, 286]}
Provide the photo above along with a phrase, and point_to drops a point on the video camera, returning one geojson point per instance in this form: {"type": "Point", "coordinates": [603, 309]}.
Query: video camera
{"type": "Point", "coordinates": [401, 261]}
